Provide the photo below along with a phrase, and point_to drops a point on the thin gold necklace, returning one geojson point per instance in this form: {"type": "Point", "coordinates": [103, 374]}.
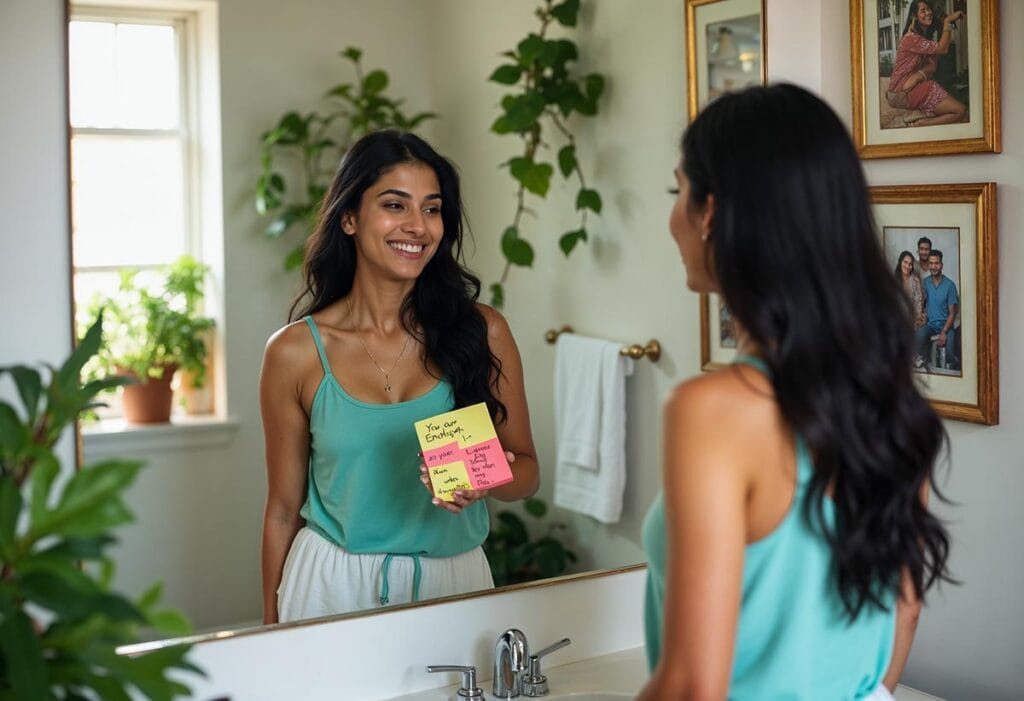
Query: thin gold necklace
{"type": "Point", "coordinates": [385, 373]}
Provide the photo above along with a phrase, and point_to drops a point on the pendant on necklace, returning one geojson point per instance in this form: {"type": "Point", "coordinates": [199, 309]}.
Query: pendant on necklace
{"type": "Point", "coordinates": [387, 384]}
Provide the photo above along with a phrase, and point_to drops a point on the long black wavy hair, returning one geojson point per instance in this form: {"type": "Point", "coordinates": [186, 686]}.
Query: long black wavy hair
{"type": "Point", "coordinates": [926, 32]}
{"type": "Point", "coordinates": [788, 191]}
{"type": "Point", "coordinates": [440, 311]}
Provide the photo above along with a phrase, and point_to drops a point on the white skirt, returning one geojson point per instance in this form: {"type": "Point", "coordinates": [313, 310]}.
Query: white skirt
{"type": "Point", "coordinates": [323, 579]}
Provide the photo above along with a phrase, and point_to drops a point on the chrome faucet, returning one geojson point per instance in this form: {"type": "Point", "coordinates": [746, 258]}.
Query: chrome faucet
{"type": "Point", "coordinates": [510, 655]}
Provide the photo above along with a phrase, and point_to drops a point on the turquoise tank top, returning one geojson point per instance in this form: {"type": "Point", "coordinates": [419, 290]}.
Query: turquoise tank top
{"type": "Point", "coordinates": [364, 492]}
{"type": "Point", "coordinates": [794, 640]}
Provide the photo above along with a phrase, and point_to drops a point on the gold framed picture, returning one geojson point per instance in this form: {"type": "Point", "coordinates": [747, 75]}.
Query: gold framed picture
{"type": "Point", "coordinates": [925, 77]}
{"type": "Point", "coordinates": [724, 49]}
{"type": "Point", "coordinates": [941, 243]}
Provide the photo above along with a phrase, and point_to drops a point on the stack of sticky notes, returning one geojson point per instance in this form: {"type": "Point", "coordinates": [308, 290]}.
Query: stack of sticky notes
{"type": "Point", "coordinates": [461, 451]}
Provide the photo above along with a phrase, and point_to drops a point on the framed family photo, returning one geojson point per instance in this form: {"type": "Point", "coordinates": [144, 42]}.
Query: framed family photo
{"type": "Point", "coordinates": [940, 242]}
{"type": "Point", "coordinates": [925, 77]}
{"type": "Point", "coordinates": [724, 49]}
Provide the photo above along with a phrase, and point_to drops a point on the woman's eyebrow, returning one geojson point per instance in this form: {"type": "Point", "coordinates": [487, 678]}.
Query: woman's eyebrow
{"type": "Point", "coordinates": [405, 195]}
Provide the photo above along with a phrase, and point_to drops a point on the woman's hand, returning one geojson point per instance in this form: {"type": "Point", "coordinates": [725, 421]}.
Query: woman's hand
{"type": "Point", "coordinates": [463, 497]}
{"type": "Point", "coordinates": [952, 17]}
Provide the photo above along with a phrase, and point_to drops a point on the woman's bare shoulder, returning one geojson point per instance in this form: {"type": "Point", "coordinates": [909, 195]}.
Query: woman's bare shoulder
{"type": "Point", "coordinates": [737, 396]}
{"type": "Point", "coordinates": [290, 345]}
{"type": "Point", "coordinates": [497, 325]}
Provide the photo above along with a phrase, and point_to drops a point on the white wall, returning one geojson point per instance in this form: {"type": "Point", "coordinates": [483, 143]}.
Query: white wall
{"type": "Point", "coordinates": [970, 643]}
{"type": "Point", "coordinates": [970, 640]}
{"type": "Point", "coordinates": [35, 308]}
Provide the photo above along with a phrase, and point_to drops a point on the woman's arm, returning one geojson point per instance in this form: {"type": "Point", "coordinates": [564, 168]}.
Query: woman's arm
{"type": "Point", "coordinates": [514, 432]}
{"type": "Point", "coordinates": [286, 438]}
{"type": "Point", "coordinates": [908, 610]}
{"type": "Point", "coordinates": [705, 505]}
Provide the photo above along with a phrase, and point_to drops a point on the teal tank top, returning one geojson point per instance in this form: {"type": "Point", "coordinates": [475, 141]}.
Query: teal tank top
{"type": "Point", "coordinates": [793, 639]}
{"type": "Point", "coordinates": [364, 492]}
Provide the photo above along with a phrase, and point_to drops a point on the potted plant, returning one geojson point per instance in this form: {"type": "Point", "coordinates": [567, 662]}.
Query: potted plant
{"type": "Point", "coordinates": [515, 557]}
{"type": "Point", "coordinates": [153, 331]}
{"type": "Point", "coordinates": [60, 622]}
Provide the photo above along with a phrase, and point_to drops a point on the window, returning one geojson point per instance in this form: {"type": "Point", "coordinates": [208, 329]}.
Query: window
{"type": "Point", "coordinates": [145, 145]}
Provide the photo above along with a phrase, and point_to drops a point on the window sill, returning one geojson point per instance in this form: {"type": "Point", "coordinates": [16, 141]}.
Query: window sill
{"type": "Point", "coordinates": [111, 438]}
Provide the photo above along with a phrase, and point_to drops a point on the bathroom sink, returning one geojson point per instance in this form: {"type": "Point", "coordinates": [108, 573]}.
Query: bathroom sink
{"type": "Point", "coordinates": [590, 696]}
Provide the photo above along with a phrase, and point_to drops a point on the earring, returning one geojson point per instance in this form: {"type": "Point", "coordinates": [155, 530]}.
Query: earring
{"type": "Point", "coordinates": [705, 236]}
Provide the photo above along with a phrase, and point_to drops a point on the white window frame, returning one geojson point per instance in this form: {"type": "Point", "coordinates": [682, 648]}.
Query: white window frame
{"type": "Point", "coordinates": [196, 27]}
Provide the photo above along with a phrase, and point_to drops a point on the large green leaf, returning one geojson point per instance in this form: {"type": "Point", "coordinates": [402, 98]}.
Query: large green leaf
{"type": "Point", "coordinates": [514, 528]}
{"type": "Point", "coordinates": [522, 111]}
{"type": "Point", "coordinates": [375, 82]}
{"type": "Point", "coordinates": [567, 160]}
{"type": "Point", "coordinates": [497, 295]}
{"type": "Point", "coordinates": [14, 435]}
{"type": "Point", "coordinates": [529, 49]}
{"type": "Point", "coordinates": [30, 388]}
{"type": "Point", "coordinates": [294, 258]}
{"type": "Point", "coordinates": [70, 373]}
{"type": "Point", "coordinates": [91, 504]}
{"type": "Point", "coordinates": [10, 508]}
{"type": "Point", "coordinates": [44, 471]}
{"type": "Point", "coordinates": [588, 199]}
{"type": "Point", "coordinates": [535, 507]}
{"type": "Point", "coordinates": [535, 177]}
{"type": "Point", "coordinates": [507, 75]}
{"type": "Point", "coordinates": [516, 250]}
{"type": "Point", "coordinates": [22, 655]}
{"type": "Point", "coordinates": [566, 12]}
{"type": "Point", "coordinates": [570, 239]}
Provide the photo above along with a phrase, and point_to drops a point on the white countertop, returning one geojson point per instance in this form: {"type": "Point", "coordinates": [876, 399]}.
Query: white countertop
{"type": "Point", "coordinates": [621, 672]}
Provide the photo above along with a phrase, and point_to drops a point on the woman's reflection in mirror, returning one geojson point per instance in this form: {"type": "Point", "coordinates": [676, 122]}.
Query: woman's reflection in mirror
{"type": "Point", "coordinates": [792, 543]}
{"type": "Point", "coordinates": [386, 332]}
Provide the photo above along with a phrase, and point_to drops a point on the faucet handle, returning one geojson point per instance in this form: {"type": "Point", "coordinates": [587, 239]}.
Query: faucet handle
{"type": "Point", "coordinates": [534, 683]}
{"type": "Point", "coordinates": [469, 689]}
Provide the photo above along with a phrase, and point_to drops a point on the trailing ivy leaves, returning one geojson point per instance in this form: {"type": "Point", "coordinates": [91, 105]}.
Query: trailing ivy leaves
{"type": "Point", "coordinates": [548, 94]}
{"type": "Point", "coordinates": [46, 531]}
{"type": "Point", "coordinates": [317, 141]}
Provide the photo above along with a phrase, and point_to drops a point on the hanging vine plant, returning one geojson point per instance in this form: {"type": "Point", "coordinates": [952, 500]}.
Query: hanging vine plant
{"type": "Point", "coordinates": [548, 94]}
{"type": "Point", "coordinates": [315, 142]}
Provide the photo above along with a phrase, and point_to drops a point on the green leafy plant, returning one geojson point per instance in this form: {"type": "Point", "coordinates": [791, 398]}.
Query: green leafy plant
{"type": "Point", "coordinates": [516, 557]}
{"type": "Point", "coordinates": [153, 327]}
{"type": "Point", "coordinates": [315, 142]}
{"type": "Point", "coordinates": [60, 623]}
{"type": "Point", "coordinates": [547, 92]}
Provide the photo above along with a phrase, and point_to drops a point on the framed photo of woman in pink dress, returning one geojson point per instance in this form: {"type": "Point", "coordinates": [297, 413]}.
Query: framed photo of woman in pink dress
{"type": "Point", "coordinates": [925, 77]}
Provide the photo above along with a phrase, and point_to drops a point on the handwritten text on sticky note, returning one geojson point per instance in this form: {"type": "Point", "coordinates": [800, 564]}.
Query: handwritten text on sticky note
{"type": "Point", "coordinates": [461, 451]}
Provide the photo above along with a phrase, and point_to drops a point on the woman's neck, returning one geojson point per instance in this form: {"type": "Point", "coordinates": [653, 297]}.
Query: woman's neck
{"type": "Point", "coordinates": [377, 306]}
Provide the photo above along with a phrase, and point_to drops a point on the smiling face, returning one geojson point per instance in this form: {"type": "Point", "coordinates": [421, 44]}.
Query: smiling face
{"type": "Point", "coordinates": [923, 14]}
{"type": "Point", "coordinates": [923, 249]}
{"type": "Point", "coordinates": [906, 265]}
{"type": "Point", "coordinates": [398, 225]}
{"type": "Point", "coordinates": [935, 266]}
{"type": "Point", "coordinates": [688, 224]}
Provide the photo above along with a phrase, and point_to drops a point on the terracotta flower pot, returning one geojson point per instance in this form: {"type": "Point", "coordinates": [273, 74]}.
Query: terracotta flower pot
{"type": "Point", "coordinates": [148, 402]}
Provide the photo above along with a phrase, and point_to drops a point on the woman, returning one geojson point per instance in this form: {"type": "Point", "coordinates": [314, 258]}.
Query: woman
{"type": "Point", "coordinates": [910, 281]}
{"type": "Point", "coordinates": [791, 546]}
{"type": "Point", "coordinates": [388, 333]}
{"type": "Point", "coordinates": [911, 85]}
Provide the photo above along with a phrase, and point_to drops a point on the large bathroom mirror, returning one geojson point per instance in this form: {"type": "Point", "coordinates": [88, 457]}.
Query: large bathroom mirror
{"type": "Point", "coordinates": [199, 502]}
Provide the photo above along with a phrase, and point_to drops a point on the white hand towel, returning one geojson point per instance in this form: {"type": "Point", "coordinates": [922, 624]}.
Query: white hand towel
{"type": "Point", "coordinates": [590, 426]}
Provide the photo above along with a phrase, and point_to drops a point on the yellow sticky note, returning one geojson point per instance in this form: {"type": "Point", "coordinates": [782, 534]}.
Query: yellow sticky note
{"type": "Point", "coordinates": [461, 451]}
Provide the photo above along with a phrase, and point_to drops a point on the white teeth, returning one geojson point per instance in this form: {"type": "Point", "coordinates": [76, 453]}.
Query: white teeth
{"type": "Point", "coordinates": [407, 247]}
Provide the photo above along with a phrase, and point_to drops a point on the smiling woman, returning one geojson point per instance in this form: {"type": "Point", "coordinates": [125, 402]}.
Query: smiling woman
{"type": "Point", "coordinates": [347, 526]}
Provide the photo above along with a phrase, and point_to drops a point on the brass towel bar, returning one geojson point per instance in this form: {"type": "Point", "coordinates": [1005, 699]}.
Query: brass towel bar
{"type": "Point", "coordinates": [652, 349]}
